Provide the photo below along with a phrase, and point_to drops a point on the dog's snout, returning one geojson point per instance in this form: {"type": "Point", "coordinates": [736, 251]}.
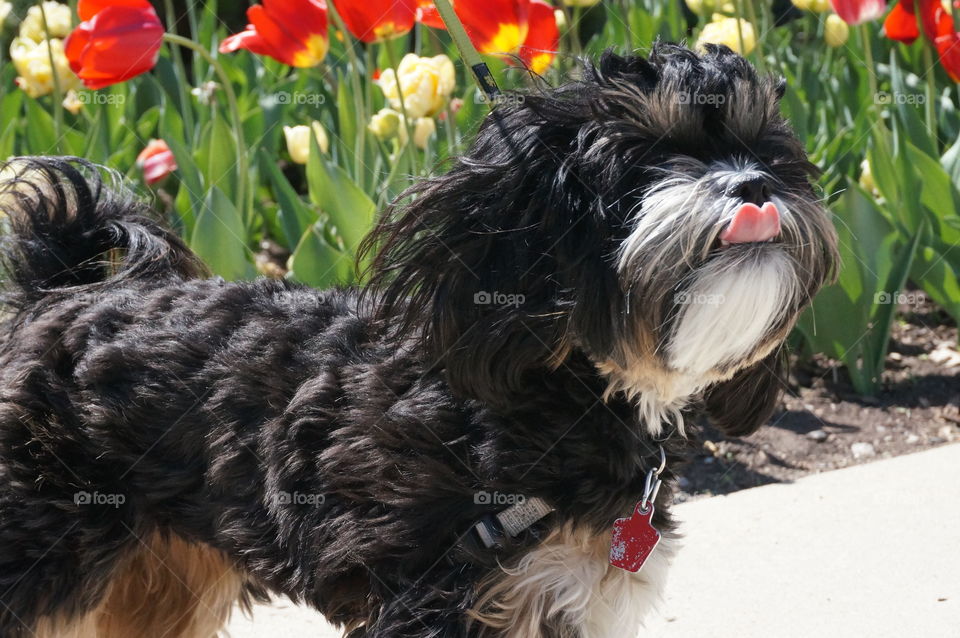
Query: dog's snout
{"type": "Point", "coordinates": [750, 190]}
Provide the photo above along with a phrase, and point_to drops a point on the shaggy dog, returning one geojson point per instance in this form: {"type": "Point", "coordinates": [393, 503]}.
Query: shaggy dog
{"type": "Point", "coordinates": [444, 453]}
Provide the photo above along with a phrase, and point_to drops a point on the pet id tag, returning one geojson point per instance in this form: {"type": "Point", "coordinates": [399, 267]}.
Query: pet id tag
{"type": "Point", "coordinates": [634, 539]}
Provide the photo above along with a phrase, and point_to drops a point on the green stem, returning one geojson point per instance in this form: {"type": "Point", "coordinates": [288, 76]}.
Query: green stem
{"type": "Point", "coordinates": [243, 163]}
{"type": "Point", "coordinates": [928, 106]}
{"type": "Point", "coordinates": [57, 88]}
{"type": "Point", "coordinates": [868, 60]}
{"type": "Point", "coordinates": [357, 95]}
{"type": "Point", "coordinates": [185, 111]}
{"type": "Point", "coordinates": [625, 16]}
{"type": "Point", "coordinates": [752, 10]}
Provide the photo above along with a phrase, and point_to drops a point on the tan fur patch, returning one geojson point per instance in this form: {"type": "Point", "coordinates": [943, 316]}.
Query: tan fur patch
{"type": "Point", "coordinates": [167, 588]}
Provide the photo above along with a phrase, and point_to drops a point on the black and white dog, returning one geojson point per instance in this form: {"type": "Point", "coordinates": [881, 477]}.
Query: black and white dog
{"type": "Point", "coordinates": [444, 453]}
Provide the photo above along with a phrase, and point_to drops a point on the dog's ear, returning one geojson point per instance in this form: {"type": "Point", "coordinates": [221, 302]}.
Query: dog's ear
{"type": "Point", "coordinates": [490, 264]}
{"type": "Point", "coordinates": [743, 403]}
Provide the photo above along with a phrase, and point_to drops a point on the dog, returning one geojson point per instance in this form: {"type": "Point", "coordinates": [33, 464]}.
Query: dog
{"type": "Point", "coordinates": [461, 447]}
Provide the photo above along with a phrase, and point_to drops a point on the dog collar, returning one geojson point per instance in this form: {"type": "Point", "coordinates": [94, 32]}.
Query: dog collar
{"type": "Point", "coordinates": [492, 528]}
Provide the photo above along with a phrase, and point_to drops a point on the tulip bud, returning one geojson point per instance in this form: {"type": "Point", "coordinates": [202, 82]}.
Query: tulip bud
{"type": "Point", "coordinates": [298, 141]}
{"type": "Point", "coordinates": [866, 177]}
{"type": "Point", "coordinates": [835, 31]}
{"type": "Point", "coordinates": [156, 161]}
{"type": "Point", "coordinates": [72, 102]}
{"type": "Point", "coordinates": [384, 124]}
{"type": "Point", "coordinates": [423, 129]}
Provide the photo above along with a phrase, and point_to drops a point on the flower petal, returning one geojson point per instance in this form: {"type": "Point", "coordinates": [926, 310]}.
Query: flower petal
{"type": "Point", "coordinates": [901, 23]}
{"type": "Point", "coordinates": [427, 14]}
{"type": "Point", "coordinates": [495, 26]}
{"type": "Point", "coordinates": [948, 47]}
{"type": "Point", "coordinates": [543, 37]}
{"type": "Point", "coordinates": [859, 11]}
{"type": "Point", "coordinates": [376, 20]}
{"type": "Point", "coordinates": [86, 9]}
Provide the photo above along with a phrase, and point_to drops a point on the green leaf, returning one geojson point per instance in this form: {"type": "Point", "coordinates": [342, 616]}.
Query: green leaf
{"type": "Point", "coordinates": [218, 156]}
{"type": "Point", "coordinates": [295, 216]}
{"type": "Point", "coordinates": [349, 209]}
{"type": "Point", "coordinates": [316, 263]}
{"type": "Point", "coordinates": [219, 237]}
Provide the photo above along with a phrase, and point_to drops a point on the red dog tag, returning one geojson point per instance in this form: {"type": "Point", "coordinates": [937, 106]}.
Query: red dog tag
{"type": "Point", "coordinates": [634, 539]}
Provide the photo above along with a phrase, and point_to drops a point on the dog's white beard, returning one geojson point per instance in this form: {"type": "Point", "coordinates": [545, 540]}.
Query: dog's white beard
{"type": "Point", "coordinates": [730, 308]}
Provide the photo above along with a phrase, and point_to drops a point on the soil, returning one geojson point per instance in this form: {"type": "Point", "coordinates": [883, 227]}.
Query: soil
{"type": "Point", "coordinates": [823, 424]}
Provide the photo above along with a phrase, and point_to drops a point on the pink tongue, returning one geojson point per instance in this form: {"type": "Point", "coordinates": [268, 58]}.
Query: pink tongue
{"type": "Point", "coordinates": [752, 223]}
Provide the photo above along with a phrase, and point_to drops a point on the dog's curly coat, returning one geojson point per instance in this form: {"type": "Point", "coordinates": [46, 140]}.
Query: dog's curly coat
{"type": "Point", "coordinates": [328, 445]}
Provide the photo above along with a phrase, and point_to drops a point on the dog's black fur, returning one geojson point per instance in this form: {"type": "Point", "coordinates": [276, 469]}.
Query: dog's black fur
{"type": "Point", "coordinates": [202, 402]}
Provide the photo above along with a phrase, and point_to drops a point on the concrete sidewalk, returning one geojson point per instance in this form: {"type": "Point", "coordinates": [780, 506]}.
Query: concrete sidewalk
{"type": "Point", "coordinates": [868, 551]}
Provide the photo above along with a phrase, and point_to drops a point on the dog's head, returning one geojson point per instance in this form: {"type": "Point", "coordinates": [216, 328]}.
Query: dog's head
{"type": "Point", "coordinates": [656, 217]}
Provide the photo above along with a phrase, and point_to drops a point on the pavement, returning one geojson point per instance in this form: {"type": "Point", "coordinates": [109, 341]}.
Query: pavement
{"type": "Point", "coordinates": [868, 552]}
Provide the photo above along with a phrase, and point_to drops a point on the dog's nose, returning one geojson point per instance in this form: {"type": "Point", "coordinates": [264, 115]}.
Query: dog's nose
{"type": "Point", "coordinates": [751, 190]}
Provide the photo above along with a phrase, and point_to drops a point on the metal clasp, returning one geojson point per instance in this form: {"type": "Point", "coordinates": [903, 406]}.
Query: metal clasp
{"type": "Point", "coordinates": [652, 485]}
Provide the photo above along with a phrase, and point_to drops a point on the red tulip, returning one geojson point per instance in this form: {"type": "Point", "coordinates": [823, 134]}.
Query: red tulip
{"type": "Point", "coordinates": [901, 22]}
{"type": "Point", "coordinates": [527, 28]}
{"type": "Point", "coordinates": [377, 20]}
{"type": "Point", "coordinates": [156, 161]}
{"type": "Point", "coordinates": [293, 32]}
{"type": "Point", "coordinates": [543, 37]}
{"type": "Point", "coordinates": [117, 40]}
{"type": "Point", "coordinates": [858, 11]}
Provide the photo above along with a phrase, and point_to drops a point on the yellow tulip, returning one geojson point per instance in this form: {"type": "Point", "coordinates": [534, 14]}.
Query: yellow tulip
{"type": "Point", "coordinates": [32, 61]}
{"type": "Point", "coordinates": [384, 123]}
{"type": "Point", "coordinates": [423, 129]}
{"type": "Point", "coordinates": [59, 22]}
{"type": "Point", "coordinates": [298, 141]}
{"type": "Point", "coordinates": [5, 9]}
{"type": "Point", "coordinates": [725, 31]}
{"type": "Point", "coordinates": [835, 31]}
{"type": "Point", "coordinates": [426, 84]}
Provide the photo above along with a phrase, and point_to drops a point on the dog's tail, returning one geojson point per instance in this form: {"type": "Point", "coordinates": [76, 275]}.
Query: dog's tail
{"type": "Point", "coordinates": [64, 228]}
